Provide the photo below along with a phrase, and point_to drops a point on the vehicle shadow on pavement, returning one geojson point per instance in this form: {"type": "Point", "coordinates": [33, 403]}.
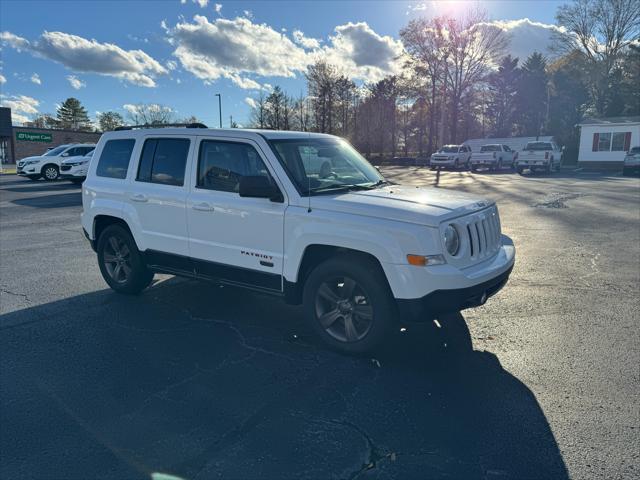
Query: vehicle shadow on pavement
{"type": "Point", "coordinates": [43, 187]}
{"type": "Point", "coordinates": [51, 201]}
{"type": "Point", "coordinates": [199, 381]}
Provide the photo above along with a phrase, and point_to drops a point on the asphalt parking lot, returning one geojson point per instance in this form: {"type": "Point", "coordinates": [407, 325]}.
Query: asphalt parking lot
{"type": "Point", "coordinates": [200, 382]}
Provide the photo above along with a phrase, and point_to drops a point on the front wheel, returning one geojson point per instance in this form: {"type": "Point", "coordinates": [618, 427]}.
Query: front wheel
{"type": "Point", "coordinates": [349, 304]}
{"type": "Point", "coordinates": [120, 262]}
{"type": "Point", "coordinates": [50, 173]}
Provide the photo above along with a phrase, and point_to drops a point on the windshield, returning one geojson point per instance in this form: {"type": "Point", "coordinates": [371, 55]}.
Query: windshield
{"type": "Point", "coordinates": [490, 148]}
{"type": "Point", "coordinates": [325, 164]}
{"type": "Point", "coordinates": [449, 149]}
{"type": "Point", "coordinates": [635, 150]}
{"type": "Point", "coordinates": [538, 146]}
{"type": "Point", "coordinates": [56, 151]}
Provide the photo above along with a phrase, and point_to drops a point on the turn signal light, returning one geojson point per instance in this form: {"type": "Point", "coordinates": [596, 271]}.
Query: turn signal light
{"type": "Point", "coordinates": [417, 260]}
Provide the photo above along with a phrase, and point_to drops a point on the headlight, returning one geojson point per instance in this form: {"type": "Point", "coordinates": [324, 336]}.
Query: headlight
{"type": "Point", "coordinates": [31, 162]}
{"type": "Point", "coordinates": [451, 240]}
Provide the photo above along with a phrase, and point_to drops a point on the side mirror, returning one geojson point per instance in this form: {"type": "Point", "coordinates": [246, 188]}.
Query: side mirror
{"type": "Point", "coordinates": [259, 187]}
{"type": "Point", "coordinates": [65, 154]}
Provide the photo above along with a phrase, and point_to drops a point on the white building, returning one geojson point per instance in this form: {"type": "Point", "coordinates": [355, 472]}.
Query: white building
{"type": "Point", "coordinates": [604, 141]}
{"type": "Point", "coordinates": [514, 143]}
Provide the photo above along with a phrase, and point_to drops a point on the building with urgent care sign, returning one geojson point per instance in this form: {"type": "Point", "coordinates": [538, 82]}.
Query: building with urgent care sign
{"type": "Point", "coordinates": [20, 142]}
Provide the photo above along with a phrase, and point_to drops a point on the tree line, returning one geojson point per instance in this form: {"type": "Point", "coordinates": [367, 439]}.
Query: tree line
{"type": "Point", "coordinates": [458, 82]}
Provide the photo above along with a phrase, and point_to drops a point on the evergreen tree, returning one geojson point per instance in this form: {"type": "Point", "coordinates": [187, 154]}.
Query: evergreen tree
{"type": "Point", "coordinates": [532, 96]}
{"type": "Point", "coordinates": [503, 86]}
{"type": "Point", "coordinates": [71, 115]}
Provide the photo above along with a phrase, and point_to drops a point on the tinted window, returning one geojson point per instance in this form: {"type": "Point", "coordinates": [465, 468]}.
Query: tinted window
{"type": "Point", "coordinates": [490, 148]}
{"type": "Point", "coordinates": [221, 165]}
{"type": "Point", "coordinates": [56, 151]}
{"type": "Point", "coordinates": [114, 159]}
{"type": "Point", "coordinates": [164, 160]}
{"type": "Point", "coordinates": [538, 146]}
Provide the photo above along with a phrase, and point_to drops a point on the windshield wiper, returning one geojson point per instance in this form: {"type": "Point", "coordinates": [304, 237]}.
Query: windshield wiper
{"type": "Point", "coordinates": [349, 187]}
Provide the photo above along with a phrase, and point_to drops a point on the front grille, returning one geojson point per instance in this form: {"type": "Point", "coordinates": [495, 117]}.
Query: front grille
{"type": "Point", "coordinates": [483, 233]}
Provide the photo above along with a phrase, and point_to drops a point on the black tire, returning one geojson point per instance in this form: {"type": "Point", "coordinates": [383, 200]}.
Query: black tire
{"type": "Point", "coordinates": [519, 170]}
{"type": "Point", "coordinates": [323, 292]}
{"type": "Point", "coordinates": [50, 172]}
{"type": "Point", "coordinates": [33, 177]}
{"type": "Point", "coordinates": [124, 253]}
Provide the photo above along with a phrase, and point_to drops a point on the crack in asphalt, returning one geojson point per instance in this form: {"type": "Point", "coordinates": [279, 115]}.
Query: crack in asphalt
{"type": "Point", "coordinates": [9, 292]}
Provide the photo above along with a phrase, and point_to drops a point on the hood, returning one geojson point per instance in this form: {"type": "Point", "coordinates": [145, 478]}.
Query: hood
{"type": "Point", "coordinates": [35, 157]}
{"type": "Point", "coordinates": [419, 205]}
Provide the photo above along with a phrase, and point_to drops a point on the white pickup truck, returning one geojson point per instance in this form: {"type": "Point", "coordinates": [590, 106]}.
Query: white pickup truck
{"type": "Point", "coordinates": [451, 156]}
{"type": "Point", "coordinates": [539, 156]}
{"type": "Point", "coordinates": [298, 215]}
{"type": "Point", "coordinates": [493, 156]}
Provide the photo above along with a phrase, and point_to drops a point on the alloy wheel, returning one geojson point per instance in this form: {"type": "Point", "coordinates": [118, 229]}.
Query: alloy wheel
{"type": "Point", "coordinates": [51, 173]}
{"type": "Point", "coordinates": [117, 259]}
{"type": "Point", "coordinates": [343, 309]}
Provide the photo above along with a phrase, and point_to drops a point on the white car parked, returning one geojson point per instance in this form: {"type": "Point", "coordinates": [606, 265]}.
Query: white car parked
{"type": "Point", "coordinates": [492, 156]}
{"type": "Point", "coordinates": [75, 168]}
{"type": "Point", "coordinates": [298, 215]}
{"type": "Point", "coordinates": [451, 156]}
{"type": "Point", "coordinates": [48, 165]}
{"type": "Point", "coordinates": [539, 156]}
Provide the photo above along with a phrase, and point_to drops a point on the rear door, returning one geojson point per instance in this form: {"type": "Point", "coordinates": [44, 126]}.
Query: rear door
{"type": "Point", "coordinates": [157, 197]}
{"type": "Point", "coordinates": [235, 239]}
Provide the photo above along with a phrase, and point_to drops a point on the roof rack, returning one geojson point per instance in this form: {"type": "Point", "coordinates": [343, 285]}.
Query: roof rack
{"type": "Point", "coordinates": [162, 125]}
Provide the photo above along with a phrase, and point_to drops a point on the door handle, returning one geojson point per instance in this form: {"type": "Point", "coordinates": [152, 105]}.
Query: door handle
{"type": "Point", "coordinates": [203, 207]}
{"type": "Point", "coordinates": [139, 197]}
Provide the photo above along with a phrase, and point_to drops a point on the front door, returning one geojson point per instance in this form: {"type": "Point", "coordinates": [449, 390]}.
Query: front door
{"type": "Point", "coordinates": [231, 238]}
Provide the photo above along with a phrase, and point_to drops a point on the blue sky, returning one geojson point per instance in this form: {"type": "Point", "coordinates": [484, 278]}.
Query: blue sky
{"type": "Point", "coordinates": [179, 53]}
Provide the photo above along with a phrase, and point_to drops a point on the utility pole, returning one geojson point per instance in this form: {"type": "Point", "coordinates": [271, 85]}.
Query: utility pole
{"type": "Point", "coordinates": [219, 107]}
{"type": "Point", "coordinates": [230, 121]}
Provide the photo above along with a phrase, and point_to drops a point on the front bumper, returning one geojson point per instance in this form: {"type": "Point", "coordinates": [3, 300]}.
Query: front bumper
{"type": "Point", "coordinates": [77, 172]}
{"type": "Point", "coordinates": [423, 293]}
{"type": "Point", "coordinates": [25, 170]}
{"type": "Point", "coordinates": [442, 162]}
{"type": "Point", "coordinates": [448, 301]}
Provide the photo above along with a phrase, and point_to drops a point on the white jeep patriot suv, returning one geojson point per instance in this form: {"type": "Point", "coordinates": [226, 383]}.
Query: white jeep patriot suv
{"type": "Point", "coordinates": [299, 215]}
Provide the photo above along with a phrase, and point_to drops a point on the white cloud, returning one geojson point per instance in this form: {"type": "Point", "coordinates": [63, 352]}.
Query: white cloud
{"type": "Point", "coordinates": [2, 79]}
{"type": "Point", "coordinates": [229, 48]}
{"type": "Point", "coordinates": [244, 83]}
{"type": "Point", "coordinates": [251, 102]}
{"type": "Point", "coordinates": [248, 14]}
{"type": "Point", "coordinates": [82, 55]}
{"type": "Point", "coordinates": [527, 37]}
{"type": "Point", "coordinates": [14, 41]}
{"type": "Point", "coordinates": [218, 8]}
{"type": "Point", "coordinates": [362, 53]}
{"type": "Point", "coordinates": [21, 106]}
{"type": "Point", "coordinates": [183, 2]}
{"type": "Point", "coordinates": [75, 82]}
{"type": "Point", "coordinates": [202, 3]}
{"type": "Point", "coordinates": [35, 78]}
{"type": "Point", "coordinates": [171, 65]}
{"type": "Point", "coordinates": [305, 42]}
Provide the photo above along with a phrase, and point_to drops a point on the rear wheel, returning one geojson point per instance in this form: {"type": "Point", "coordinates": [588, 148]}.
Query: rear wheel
{"type": "Point", "coordinates": [349, 304]}
{"type": "Point", "coordinates": [120, 262]}
{"type": "Point", "coordinates": [50, 173]}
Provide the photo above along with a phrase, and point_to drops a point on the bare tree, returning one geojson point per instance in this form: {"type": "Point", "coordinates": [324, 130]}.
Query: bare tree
{"type": "Point", "coordinates": [601, 30]}
{"type": "Point", "coordinates": [472, 47]}
{"type": "Point", "coordinates": [149, 114]}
